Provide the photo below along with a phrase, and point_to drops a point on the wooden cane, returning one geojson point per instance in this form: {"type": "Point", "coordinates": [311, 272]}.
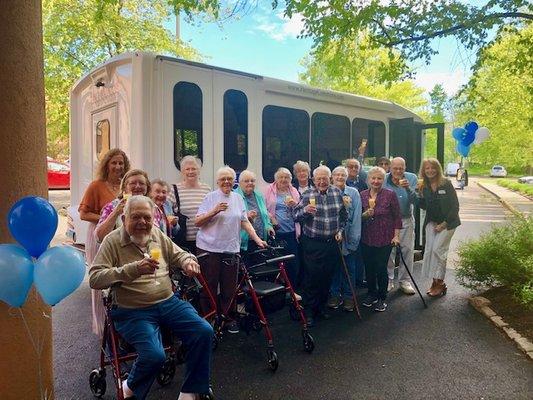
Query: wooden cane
{"type": "Point", "coordinates": [349, 281]}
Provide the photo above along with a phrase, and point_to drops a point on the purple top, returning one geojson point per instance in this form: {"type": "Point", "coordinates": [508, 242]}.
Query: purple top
{"type": "Point", "coordinates": [378, 231]}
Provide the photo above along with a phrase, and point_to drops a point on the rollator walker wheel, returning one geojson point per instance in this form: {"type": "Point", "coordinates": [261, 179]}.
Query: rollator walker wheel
{"type": "Point", "coordinates": [272, 360]}
{"type": "Point", "coordinates": [309, 342]}
{"type": "Point", "coordinates": [166, 374]}
{"type": "Point", "coordinates": [97, 382]}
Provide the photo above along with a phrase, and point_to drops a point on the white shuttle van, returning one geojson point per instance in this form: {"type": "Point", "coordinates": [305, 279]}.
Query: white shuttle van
{"type": "Point", "coordinates": [158, 109]}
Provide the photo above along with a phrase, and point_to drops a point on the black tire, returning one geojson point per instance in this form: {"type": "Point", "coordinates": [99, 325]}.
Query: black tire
{"type": "Point", "coordinates": [97, 382]}
{"type": "Point", "coordinates": [167, 371]}
{"type": "Point", "coordinates": [309, 342]}
{"type": "Point", "coordinates": [272, 360]}
{"type": "Point", "coordinates": [294, 314]}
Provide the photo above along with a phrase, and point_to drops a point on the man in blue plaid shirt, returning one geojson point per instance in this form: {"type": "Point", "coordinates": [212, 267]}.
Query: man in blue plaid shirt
{"type": "Point", "coordinates": [322, 215]}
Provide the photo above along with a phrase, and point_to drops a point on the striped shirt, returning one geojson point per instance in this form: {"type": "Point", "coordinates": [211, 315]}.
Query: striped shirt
{"type": "Point", "coordinates": [329, 218]}
{"type": "Point", "coordinates": [190, 200]}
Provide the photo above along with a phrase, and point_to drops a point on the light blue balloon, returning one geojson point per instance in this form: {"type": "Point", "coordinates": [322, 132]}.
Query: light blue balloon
{"type": "Point", "coordinates": [462, 149]}
{"type": "Point", "coordinates": [58, 272]}
{"type": "Point", "coordinates": [458, 133]}
{"type": "Point", "coordinates": [16, 274]}
{"type": "Point", "coordinates": [33, 222]}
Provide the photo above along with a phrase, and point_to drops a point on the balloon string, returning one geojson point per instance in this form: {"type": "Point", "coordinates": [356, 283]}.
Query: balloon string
{"type": "Point", "coordinates": [38, 348]}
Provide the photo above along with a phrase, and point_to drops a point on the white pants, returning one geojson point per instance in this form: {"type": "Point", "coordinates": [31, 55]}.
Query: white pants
{"type": "Point", "coordinates": [407, 243]}
{"type": "Point", "coordinates": [436, 251]}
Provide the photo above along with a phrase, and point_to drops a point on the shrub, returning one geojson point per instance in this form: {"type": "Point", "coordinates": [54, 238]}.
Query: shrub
{"type": "Point", "coordinates": [501, 257]}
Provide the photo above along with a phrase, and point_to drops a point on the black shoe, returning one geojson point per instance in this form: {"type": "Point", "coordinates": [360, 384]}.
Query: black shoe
{"type": "Point", "coordinates": [370, 301]}
{"type": "Point", "coordinates": [380, 306]}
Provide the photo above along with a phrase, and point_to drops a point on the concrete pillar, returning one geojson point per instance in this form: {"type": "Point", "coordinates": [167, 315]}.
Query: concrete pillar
{"type": "Point", "coordinates": [25, 362]}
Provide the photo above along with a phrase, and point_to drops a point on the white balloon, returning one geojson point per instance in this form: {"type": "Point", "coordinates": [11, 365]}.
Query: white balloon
{"type": "Point", "coordinates": [482, 134]}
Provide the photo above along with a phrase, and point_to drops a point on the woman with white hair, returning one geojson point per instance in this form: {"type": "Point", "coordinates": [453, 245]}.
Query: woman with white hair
{"type": "Point", "coordinates": [186, 197]}
{"type": "Point", "coordinates": [281, 198]}
{"type": "Point", "coordinates": [382, 221]}
{"type": "Point", "coordinates": [256, 210]}
{"type": "Point", "coordinates": [220, 218]}
{"type": "Point", "coordinates": [303, 180]}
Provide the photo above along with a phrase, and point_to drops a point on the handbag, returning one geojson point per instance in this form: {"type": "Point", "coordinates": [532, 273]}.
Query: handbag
{"type": "Point", "coordinates": [180, 238]}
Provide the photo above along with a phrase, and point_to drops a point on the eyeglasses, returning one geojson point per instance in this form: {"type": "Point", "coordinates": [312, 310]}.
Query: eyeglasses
{"type": "Point", "coordinates": [227, 179]}
{"type": "Point", "coordinates": [248, 181]}
{"type": "Point", "coordinates": [383, 163]}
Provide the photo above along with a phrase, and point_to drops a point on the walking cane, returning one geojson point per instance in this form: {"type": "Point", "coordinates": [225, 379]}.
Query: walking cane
{"type": "Point", "coordinates": [349, 281]}
{"type": "Point", "coordinates": [411, 276]}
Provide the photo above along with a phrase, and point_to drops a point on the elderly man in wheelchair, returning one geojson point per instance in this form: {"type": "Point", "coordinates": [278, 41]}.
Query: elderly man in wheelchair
{"type": "Point", "coordinates": [134, 262]}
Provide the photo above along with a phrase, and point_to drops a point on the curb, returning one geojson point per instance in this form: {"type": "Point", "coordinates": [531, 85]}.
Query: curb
{"type": "Point", "coordinates": [503, 202]}
{"type": "Point", "coordinates": [482, 304]}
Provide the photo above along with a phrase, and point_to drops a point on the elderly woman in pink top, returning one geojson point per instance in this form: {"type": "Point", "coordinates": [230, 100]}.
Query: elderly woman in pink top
{"type": "Point", "coordinates": [220, 217]}
{"type": "Point", "coordinates": [281, 198]}
{"type": "Point", "coordinates": [382, 221]}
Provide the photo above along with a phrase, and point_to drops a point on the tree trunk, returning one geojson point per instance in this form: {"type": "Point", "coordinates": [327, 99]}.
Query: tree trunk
{"type": "Point", "coordinates": [26, 332]}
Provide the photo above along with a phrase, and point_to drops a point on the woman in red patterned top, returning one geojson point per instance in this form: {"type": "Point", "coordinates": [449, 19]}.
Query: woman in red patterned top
{"type": "Point", "coordinates": [382, 222]}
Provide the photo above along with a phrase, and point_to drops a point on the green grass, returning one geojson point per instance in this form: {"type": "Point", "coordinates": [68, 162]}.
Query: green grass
{"type": "Point", "coordinates": [523, 188]}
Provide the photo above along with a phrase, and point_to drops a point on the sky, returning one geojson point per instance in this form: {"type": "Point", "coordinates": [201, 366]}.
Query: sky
{"type": "Point", "coordinates": [263, 42]}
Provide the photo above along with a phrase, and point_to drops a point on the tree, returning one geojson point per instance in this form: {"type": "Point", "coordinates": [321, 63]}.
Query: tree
{"type": "Point", "coordinates": [438, 103]}
{"type": "Point", "coordinates": [408, 25]}
{"type": "Point", "coordinates": [80, 34]}
{"type": "Point", "coordinates": [352, 66]}
{"type": "Point", "coordinates": [500, 98]}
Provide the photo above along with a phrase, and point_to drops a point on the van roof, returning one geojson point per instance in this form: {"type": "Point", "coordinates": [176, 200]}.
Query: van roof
{"type": "Point", "coordinates": [363, 101]}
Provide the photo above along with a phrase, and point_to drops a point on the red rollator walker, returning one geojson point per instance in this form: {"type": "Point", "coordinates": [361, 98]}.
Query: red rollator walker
{"type": "Point", "coordinates": [119, 355]}
{"type": "Point", "coordinates": [262, 288]}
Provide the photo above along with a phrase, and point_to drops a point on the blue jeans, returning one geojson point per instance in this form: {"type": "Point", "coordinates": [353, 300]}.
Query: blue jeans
{"type": "Point", "coordinates": [339, 284]}
{"type": "Point", "coordinates": [140, 327]}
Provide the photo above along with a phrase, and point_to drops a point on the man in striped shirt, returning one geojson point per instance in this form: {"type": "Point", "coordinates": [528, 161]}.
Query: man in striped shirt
{"type": "Point", "coordinates": [322, 215]}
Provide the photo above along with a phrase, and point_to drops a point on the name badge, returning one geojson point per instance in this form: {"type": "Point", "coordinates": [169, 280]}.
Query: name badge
{"type": "Point", "coordinates": [442, 191]}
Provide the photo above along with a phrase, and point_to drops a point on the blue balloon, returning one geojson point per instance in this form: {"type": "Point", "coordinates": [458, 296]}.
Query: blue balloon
{"type": "Point", "coordinates": [58, 273]}
{"type": "Point", "coordinates": [16, 274]}
{"type": "Point", "coordinates": [469, 138]}
{"type": "Point", "coordinates": [458, 133]}
{"type": "Point", "coordinates": [33, 222]}
{"type": "Point", "coordinates": [462, 149]}
{"type": "Point", "coordinates": [471, 127]}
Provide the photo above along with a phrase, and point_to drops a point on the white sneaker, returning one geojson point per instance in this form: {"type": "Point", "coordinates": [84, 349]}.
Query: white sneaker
{"type": "Point", "coordinates": [390, 286]}
{"type": "Point", "coordinates": [407, 288]}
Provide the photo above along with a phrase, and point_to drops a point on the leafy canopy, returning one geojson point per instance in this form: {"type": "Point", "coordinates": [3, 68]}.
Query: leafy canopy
{"type": "Point", "coordinates": [500, 98]}
{"type": "Point", "coordinates": [80, 34]}
{"type": "Point", "coordinates": [351, 65]}
{"type": "Point", "coordinates": [407, 25]}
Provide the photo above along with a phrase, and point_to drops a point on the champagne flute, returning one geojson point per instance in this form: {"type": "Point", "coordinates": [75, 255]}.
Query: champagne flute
{"type": "Point", "coordinates": [155, 253]}
{"type": "Point", "coordinates": [371, 203]}
{"type": "Point", "coordinates": [312, 201]}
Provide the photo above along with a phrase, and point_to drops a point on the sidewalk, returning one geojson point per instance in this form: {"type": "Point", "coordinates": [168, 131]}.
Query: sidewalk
{"type": "Point", "coordinates": [511, 200]}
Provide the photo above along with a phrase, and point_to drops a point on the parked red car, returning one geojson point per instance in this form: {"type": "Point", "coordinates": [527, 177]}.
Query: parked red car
{"type": "Point", "coordinates": [58, 175]}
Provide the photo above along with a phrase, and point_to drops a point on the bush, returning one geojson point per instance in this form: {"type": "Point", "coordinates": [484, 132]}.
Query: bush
{"type": "Point", "coordinates": [517, 186]}
{"type": "Point", "coordinates": [501, 257]}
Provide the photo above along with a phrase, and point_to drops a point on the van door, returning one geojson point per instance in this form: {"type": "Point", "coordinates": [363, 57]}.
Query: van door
{"type": "Point", "coordinates": [104, 133]}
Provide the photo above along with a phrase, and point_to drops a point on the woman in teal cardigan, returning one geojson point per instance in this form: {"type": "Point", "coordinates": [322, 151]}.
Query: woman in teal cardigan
{"type": "Point", "coordinates": [255, 208]}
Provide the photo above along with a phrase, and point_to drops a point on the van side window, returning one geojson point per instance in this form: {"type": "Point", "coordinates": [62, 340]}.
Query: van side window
{"type": "Point", "coordinates": [102, 138]}
{"type": "Point", "coordinates": [330, 141]}
{"type": "Point", "coordinates": [187, 121]}
{"type": "Point", "coordinates": [374, 132]}
{"type": "Point", "coordinates": [236, 130]}
{"type": "Point", "coordinates": [285, 139]}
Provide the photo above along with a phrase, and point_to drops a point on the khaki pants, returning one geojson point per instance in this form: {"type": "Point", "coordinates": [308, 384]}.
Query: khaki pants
{"type": "Point", "coordinates": [436, 251]}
